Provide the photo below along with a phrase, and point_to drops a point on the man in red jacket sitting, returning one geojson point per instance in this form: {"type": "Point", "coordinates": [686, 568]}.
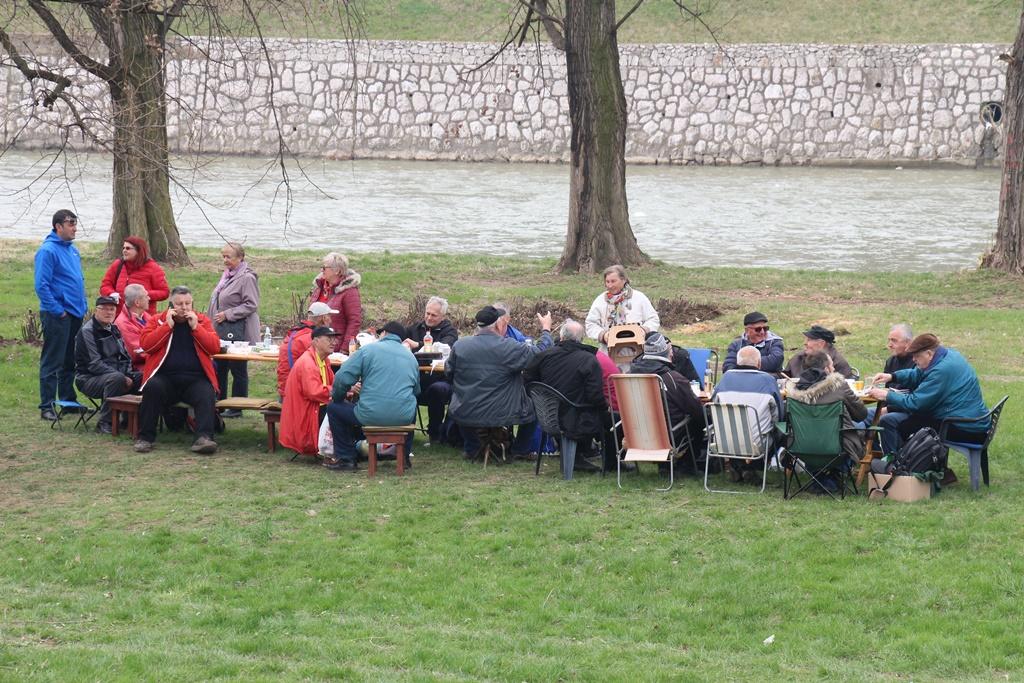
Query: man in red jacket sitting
{"type": "Point", "coordinates": [298, 340]}
{"type": "Point", "coordinates": [179, 347]}
{"type": "Point", "coordinates": [307, 394]}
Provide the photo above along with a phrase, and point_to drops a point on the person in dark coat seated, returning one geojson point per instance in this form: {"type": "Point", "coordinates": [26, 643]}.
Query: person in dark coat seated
{"type": "Point", "coordinates": [103, 366]}
{"type": "Point", "coordinates": [657, 360]}
{"type": "Point", "coordinates": [435, 389]}
{"type": "Point", "coordinates": [571, 367]}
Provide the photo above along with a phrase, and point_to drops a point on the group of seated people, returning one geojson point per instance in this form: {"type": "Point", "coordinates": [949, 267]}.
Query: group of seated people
{"type": "Point", "coordinates": [168, 357]}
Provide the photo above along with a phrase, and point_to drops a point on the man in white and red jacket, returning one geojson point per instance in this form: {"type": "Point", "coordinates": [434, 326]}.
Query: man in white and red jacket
{"type": "Point", "coordinates": [179, 347]}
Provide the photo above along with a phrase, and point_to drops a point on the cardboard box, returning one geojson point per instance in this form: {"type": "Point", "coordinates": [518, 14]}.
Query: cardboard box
{"type": "Point", "coordinates": [905, 489]}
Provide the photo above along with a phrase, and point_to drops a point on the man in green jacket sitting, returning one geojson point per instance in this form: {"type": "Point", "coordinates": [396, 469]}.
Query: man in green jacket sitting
{"type": "Point", "coordinates": [941, 385]}
{"type": "Point", "coordinates": [386, 378]}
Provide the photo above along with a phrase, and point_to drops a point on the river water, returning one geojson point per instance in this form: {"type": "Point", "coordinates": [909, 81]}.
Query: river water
{"type": "Point", "coordinates": [823, 218]}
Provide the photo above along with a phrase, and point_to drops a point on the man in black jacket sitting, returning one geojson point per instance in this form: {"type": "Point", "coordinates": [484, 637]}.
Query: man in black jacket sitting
{"type": "Point", "coordinates": [572, 368]}
{"type": "Point", "coordinates": [435, 389]}
{"type": "Point", "coordinates": [103, 366]}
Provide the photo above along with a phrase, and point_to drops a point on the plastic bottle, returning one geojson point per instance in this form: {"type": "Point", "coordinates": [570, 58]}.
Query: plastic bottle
{"type": "Point", "coordinates": [707, 381]}
{"type": "Point", "coordinates": [428, 342]}
{"type": "Point", "coordinates": [353, 346]}
{"type": "Point", "coordinates": [268, 341]}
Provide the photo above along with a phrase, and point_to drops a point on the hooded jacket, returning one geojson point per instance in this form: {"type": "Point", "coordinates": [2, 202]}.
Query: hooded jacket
{"type": "Point", "coordinates": [832, 388]}
{"type": "Point", "coordinates": [343, 298]}
{"type": "Point", "coordinates": [487, 380]}
{"type": "Point", "coordinates": [239, 300]}
{"type": "Point", "coordinates": [300, 411]}
{"type": "Point", "coordinates": [295, 343]}
{"type": "Point", "coordinates": [572, 368]}
{"type": "Point", "coordinates": [59, 282]}
{"type": "Point", "coordinates": [772, 353]}
{"type": "Point", "coordinates": [796, 363]}
{"type": "Point", "coordinates": [150, 275]}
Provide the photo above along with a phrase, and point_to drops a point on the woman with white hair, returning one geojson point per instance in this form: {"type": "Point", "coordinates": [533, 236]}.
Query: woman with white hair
{"type": "Point", "coordinates": [338, 287]}
{"type": "Point", "coordinates": [619, 304]}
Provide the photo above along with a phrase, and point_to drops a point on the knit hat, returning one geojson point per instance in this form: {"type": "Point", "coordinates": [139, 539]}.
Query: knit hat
{"type": "Point", "coordinates": [819, 332]}
{"type": "Point", "coordinates": [657, 345]}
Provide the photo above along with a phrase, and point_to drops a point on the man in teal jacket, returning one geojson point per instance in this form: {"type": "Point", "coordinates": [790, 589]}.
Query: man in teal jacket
{"type": "Point", "coordinates": [386, 377]}
{"type": "Point", "coordinates": [60, 287]}
{"type": "Point", "coordinates": [942, 385]}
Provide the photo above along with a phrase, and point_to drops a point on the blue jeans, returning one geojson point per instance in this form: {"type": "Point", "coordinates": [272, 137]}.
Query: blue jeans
{"type": "Point", "coordinates": [57, 360]}
{"type": "Point", "coordinates": [346, 429]}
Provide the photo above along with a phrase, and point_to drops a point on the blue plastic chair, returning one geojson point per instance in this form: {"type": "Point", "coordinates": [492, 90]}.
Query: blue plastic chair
{"type": "Point", "coordinates": [701, 359]}
{"type": "Point", "coordinates": [976, 453]}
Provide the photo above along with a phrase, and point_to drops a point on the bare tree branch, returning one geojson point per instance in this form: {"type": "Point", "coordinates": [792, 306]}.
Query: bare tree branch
{"type": "Point", "coordinates": [551, 25]}
{"type": "Point", "coordinates": [628, 14]}
{"type": "Point", "coordinates": [60, 82]}
{"type": "Point", "coordinates": [697, 16]}
{"type": "Point", "coordinates": [83, 60]}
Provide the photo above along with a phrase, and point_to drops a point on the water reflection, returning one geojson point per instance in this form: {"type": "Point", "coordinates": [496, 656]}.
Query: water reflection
{"type": "Point", "coordinates": [876, 219]}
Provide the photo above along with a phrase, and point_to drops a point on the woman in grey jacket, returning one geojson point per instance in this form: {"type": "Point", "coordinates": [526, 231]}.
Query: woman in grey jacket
{"type": "Point", "coordinates": [236, 298]}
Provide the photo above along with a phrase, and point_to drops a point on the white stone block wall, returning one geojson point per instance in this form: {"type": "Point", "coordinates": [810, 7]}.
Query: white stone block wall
{"type": "Point", "coordinates": [746, 104]}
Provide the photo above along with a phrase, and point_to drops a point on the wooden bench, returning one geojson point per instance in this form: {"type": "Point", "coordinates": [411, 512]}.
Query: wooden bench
{"type": "Point", "coordinates": [272, 416]}
{"type": "Point", "coordinates": [395, 435]}
{"type": "Point", "coordinates": [237, 403]}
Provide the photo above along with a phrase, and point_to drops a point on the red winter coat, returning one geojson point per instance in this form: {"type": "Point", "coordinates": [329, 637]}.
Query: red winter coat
{"type": "Point", "coordinates": [304, 393]}
{"type": "Point", "coordinates": [343, 298]}
{"type": "Point", "coordinates": [155, 341]}
{"type": "Point", "coordinates": [150, 275]}
{"type": "Point", "coordinates": [300, 339]}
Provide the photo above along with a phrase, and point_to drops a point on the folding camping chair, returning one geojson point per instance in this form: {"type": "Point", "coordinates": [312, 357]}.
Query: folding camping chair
{"type": "Point", "coordinates": [814, 446]}
{"type": "Point", "coordinates": [644, 419]}
{"type": "Point", "coordinates": [737, 434]}
{"type": "Point", "coordinates": [85, 413]}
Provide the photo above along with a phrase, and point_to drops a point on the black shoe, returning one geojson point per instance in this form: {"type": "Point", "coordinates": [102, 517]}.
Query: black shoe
{"type": "Point", "coordinates": [48, 415]}
{"type": "Point", "coordinates": [104, 428]}
{"type": "Point", "coordinates": [336, 465]}
{"type": "Point", "coordinates": [231, 412]}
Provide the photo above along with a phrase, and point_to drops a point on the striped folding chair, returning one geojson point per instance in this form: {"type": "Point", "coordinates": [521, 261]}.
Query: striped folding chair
{"type": "Point", "coordinates": [737, 434]}
{"type": "Point", "coordinates": [644, 418]}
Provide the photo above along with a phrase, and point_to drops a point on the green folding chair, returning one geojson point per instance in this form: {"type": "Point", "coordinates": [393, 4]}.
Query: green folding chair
{"type": "Point", "coordinates": [814, 447]}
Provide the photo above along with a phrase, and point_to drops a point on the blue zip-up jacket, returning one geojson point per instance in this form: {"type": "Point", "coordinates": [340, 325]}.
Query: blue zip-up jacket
{"type": "Point", "coordinates": [772, 351]}
{"type": "Point", "coordinates": [60, 284]}
{"type": "Point", "coordinates": [391, 382]}
{"type": "Point", "coordinates": [948, 387]}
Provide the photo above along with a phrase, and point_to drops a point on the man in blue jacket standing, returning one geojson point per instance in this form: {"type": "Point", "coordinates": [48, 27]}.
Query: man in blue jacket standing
{"type": "Point", "coordinates": [60, 287]}
{"type": "Point", "coordinates": [390, 382]}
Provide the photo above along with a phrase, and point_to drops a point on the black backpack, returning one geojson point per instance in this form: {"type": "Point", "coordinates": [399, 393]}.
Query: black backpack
{"type": "Point", "coordinates": [922, 452]}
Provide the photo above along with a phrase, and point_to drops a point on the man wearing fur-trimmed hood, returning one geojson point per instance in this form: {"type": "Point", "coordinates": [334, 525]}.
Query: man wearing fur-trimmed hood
{"type": "Point", "coordinates": [338, 287]}
{"type": "Point", "coordinates": [820, 383]}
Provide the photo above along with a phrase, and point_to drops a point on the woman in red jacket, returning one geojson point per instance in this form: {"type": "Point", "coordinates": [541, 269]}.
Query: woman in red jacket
{"type": "Point", "coordinates": [135, 267]}
{"type": "Point", "coordinates": [338, 287]}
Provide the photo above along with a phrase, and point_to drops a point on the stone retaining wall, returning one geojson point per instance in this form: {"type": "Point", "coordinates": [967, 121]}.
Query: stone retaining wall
{"type": "Point", "coordinates": [771, 104]}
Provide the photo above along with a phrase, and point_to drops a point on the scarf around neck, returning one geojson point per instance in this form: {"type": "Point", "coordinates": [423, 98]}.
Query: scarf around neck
{"type": "Point", "coordinates": [617, 305]}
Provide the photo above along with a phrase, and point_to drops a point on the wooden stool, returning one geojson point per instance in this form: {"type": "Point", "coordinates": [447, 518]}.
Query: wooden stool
{"type": "Point", "coordinates": [127, 405]}
{"type": "Point", "coordinates": [272, 417]}
{"type": "Point", "coordinates": [395, 435]}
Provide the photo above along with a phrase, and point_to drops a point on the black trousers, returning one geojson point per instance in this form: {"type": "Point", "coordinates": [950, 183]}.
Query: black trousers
{"type": "Point", "coordinates": [239, 377]}
{"type": "Point", "coordinates": [163, 391]}
{"type": "Point", "coordinates": [916, 421]}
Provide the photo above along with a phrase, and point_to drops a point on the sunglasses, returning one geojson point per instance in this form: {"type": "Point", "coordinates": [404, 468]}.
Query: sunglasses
{"type": "Point", "coordinates": [759, 328]}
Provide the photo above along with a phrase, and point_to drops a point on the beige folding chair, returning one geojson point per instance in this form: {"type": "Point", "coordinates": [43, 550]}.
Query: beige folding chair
{"type": "Point", "coordinates": [644, 418]}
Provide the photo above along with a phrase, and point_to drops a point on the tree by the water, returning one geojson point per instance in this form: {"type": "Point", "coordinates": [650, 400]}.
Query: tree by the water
{"type": "Point", "coordinates": [599, 233]}
{"type": "Point", "coordinates": [1007, 253]}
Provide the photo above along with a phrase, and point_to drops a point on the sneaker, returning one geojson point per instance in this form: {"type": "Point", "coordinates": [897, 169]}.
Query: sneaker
{"type": "Point", "coordinates": [48, 415]}
{"type": "Point", "coordinates": [338, 465]}
{"type": "Point", "coordinates": [231, 412]}
{"type": "Point", "coordinates": [104, 428]}
{"type": "Point", "coordinates": [143, 446]}
{"type": "Point", "coordinates": [204, 445]}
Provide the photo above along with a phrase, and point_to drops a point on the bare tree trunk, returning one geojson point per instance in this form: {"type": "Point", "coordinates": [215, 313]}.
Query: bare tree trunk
{"type": "Point", "coordinates": [1008, 252]}
{"type": "Point", "coordinates": [142, 199]}
{"type": "Point", "coordinates": [599, 233]}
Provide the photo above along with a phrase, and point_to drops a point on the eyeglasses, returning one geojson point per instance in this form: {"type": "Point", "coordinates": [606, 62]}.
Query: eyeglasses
{"type": "Point", "coordinates": [759, 328]}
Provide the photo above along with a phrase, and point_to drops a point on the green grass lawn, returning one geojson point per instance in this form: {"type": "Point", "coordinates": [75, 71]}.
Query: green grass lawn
{"type": "Point", "coordinates": [245, 566]}
{"type": "Point", "coordinates": [657, 21]}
